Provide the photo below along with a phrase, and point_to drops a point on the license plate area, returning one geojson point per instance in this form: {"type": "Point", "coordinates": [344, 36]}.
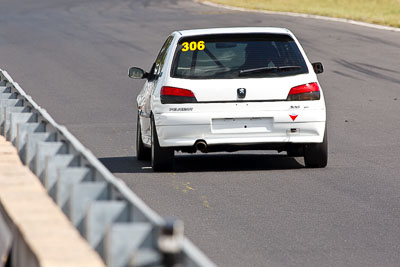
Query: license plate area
{"type": "Point", "coordinates": [242, 125]}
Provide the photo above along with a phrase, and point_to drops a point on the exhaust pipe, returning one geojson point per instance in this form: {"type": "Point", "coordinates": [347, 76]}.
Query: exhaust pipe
{"type": "Point", "coordinates": [201, 145]}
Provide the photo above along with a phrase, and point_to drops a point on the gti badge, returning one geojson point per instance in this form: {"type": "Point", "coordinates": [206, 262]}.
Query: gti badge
{"type": "Point", "coordinates": [241, 92]}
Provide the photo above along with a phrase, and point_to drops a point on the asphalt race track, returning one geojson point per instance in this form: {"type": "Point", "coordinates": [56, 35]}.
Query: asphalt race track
{"type": "Point", "coordinates": [241, 209]}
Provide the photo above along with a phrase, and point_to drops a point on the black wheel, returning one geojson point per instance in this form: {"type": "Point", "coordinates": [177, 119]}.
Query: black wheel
{"type": "Point", "coordinates": [316, 155]}
{"type": "Point", "coordinates": [162, 158]}
{"type": "Point", "coordinates": [142, 152]}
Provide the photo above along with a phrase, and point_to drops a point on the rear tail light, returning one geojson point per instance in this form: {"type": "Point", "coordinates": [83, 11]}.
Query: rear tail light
{"type": "Point", "coordinates": [173, 95]}
{"type": "Point", "coordinates": [309, 91]}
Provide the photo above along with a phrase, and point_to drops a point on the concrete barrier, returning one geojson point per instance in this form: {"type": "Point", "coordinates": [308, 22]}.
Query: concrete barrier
{"type": "Point", "coordinates": [34, 231]}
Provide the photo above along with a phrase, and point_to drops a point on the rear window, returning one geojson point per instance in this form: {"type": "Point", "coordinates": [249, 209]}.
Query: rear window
{"type": "Point", "coordinates": [237, 56]}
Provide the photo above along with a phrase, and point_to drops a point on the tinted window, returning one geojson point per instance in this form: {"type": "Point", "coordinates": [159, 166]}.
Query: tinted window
{"type": "Point", "coordinates": [160, 60]}
{"type": "Point", "coordinates": [237, 56]}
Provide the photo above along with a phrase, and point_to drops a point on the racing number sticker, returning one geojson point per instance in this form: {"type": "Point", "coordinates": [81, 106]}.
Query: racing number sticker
{"type": "Point", "coordinates": [192, 46]}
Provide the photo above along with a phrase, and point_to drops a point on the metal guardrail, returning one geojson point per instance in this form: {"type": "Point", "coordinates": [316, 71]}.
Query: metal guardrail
{"type": "Point", "coordinates": [115, 222]}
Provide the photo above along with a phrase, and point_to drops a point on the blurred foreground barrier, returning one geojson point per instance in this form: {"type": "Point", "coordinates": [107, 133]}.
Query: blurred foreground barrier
{"type": "Point", "coordinates": [33, 230]}
{"type": "Point", "coordinates": [115, 222]}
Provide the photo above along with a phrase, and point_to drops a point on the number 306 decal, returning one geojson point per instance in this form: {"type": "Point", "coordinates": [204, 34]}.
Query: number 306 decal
{"type": "Point", "coordinates": [192, 46]}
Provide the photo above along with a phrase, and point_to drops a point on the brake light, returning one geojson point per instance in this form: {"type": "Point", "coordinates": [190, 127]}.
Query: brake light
{"type": "Point", "coordinates": [174, 95]}
{"type": "Point", "coordinates": [309, 91]}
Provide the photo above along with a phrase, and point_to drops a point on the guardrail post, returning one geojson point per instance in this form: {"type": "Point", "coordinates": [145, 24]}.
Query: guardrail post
{"type": "Point", "coordinates": [6, 116]}
{"type": "Point", "coordinates": [99, 216]}
{"type": "Point", "coordinates": [6, 239]}
{"type": "Point", "coordinates": [8, 103]}
{"type": "Point", "coordinates": [80, 196]}
{"type": "Point", "coordinates": [125, 241]}
{"type": "Point", "coordinates": [4, 88]}
{"type": "Point", "coordinates": [17, 114]}
{"type": "Point", "coordinates": [51, 166]}
{"type": "Point", "coordinates": [9, 95]}
{"type": "Point", "coordinates": [44, 150]}
{"type": "Point", "coordinates": [31, 140]}
{"type": "Point", "coordinates": [17, 118]}
{"type": "Point", "coordinates": [66, 177]}
{"type": "Point", "coordinates": [170, 243]}
{"type": "Point", "coordinates": [22, 131]}
{"type": "Point", "coordinates": [22, 254]}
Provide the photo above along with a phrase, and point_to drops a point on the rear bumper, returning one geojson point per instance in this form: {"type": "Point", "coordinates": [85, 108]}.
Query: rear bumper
{"type": "Point", "coordinates": [183, 130]}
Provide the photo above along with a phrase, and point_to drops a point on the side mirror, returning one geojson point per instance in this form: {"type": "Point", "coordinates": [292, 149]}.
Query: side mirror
{"type": "Point", "coordinates": [318, 67]}
{"type": "Point", "coordinates": [137, 73]}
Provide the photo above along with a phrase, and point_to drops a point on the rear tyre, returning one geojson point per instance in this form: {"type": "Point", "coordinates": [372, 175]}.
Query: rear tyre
{"type": "Point", "coordinates": [295, 150]}
{"type": "Point", "coordinates": [142, 152]}
{"type": "Point", "coordinates": [162, 158]}
{"type": "Point", "coordinates": [316, 155]}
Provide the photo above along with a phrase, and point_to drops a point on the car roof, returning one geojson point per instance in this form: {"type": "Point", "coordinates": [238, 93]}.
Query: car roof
{"type": "Point", "coordinates": [233, 30]}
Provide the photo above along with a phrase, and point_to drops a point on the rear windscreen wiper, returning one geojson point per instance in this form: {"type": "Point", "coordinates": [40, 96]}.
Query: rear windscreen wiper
{"type": "Point", "coordinates": [268, 69]}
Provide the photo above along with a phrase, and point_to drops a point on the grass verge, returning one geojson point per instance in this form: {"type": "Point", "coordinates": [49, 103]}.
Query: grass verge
{"type": "Point", "coordinates": [384, 12]}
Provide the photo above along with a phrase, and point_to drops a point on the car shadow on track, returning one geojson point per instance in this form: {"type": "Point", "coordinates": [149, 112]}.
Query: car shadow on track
{"type": "Point", "coordinates": [126, 165]}
{"type": "Point", "coordinates": [234, 162]}
{"type": "Point", "coordinates": [207, 163]}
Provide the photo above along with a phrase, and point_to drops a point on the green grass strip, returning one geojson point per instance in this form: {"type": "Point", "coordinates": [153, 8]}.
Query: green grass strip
{"type": "Point", "coordinates": [384, 12]}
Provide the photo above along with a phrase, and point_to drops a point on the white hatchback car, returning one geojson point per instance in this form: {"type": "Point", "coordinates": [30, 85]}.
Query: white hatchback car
{"type": "Point", "coordinates": [230, 89]}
